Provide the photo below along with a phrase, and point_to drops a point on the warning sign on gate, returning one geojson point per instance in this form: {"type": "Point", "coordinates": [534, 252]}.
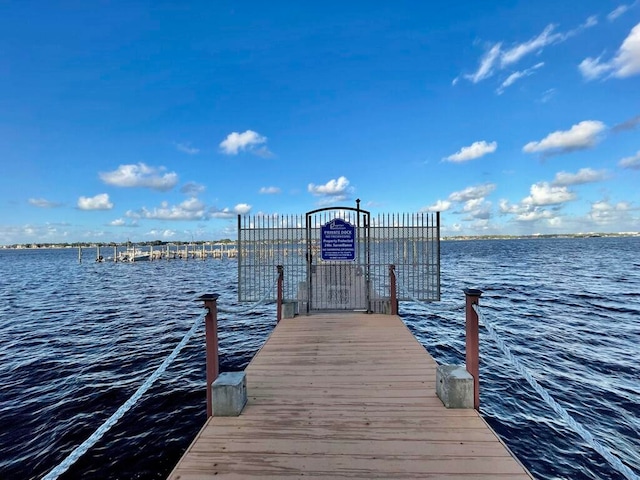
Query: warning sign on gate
{"type": "Point", "coordinates": [338, 240]}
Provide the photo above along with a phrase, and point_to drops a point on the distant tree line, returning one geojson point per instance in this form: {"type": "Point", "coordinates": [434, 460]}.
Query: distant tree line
{"type": "Point", "coordinates": [154, 243]}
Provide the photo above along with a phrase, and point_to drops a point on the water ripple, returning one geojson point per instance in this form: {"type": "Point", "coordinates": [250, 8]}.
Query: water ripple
{"type": "Point", "coordinates": [79, 339]}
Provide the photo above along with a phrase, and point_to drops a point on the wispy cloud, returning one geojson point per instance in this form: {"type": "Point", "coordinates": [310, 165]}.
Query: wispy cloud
{"type": "Point", "coordinates": [582, 176]}
{"type": "Point", "coordinates": [632, 162]}
{"type": "Point", "coordinates": [620, 10]}
{"type": "Point", "coordinates": [247, 141]}
{"type": "Point", "coordinates": [487, 66]}
{"type": "Point", "coordinates": [497, 57]}
{"type": "Point", "coordinates": [98, 202]}
{"type": "Point", "coordinates": [269, 190]}
{"type": "Point", "coordinates": [166, 233]}
{"type": "Point", "coordinates": [186, 148]}
{"type": "Point", "coordinates": [473, 151]}
{"type": "Point", "coordinates": [472, 193]}
{"type": "Point", "coordinates": [579, 137]}
{"type": "Point", "coordinates": [625, 63]}
{"type": "Point", "coordinates": [548, 95]}
{"type": "Point", "coordinates": [140, 175]}
{"type": "Point", "coordinates": [511, 79]}
{"type": "Point", "coordinates": [626, 125]}
{"type": "Point", "coordinates": [192, 189]}
{"type": "Point", "coordinates": [43, 203]}
{"type": "Point", "coordinates": [190, 209]}
{"type": "Point", "coordinates": [439, 206]}
{"type": "Point", "coordinates": [226, 213]}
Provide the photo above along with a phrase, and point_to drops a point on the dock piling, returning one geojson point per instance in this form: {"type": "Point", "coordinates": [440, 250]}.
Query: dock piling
{"type": "Point", "coordinates": [472, 346]}
{"type": "Point", "coordinates": [211, 338]}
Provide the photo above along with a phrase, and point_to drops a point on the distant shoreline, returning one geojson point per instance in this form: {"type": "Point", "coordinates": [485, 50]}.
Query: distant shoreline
{"type": "Point", "coordinates": [457, 238]}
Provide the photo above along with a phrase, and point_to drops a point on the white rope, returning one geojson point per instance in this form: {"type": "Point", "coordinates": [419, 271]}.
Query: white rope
{"type": "Point", "coordinates": [614, 461]}
{"type": "Point", "coordinates": [253, 306]}
{"type": "Point", "coordinates": [451, 308]}
{"type": "Point", "coordinates": [113, 419]}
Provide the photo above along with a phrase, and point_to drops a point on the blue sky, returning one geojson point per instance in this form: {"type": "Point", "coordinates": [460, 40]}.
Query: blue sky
{"type": "Point", "coordinates": [163, 120]}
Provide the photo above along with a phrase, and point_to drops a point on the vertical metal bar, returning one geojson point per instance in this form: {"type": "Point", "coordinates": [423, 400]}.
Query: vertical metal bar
{"type": "Point", "coordinates": [393, 294]}
{"type": "Point", "coordinates": [437, 243]}
{"type": "Point", "coordinates": [211, 339]}
{"type": "Point", "coordinates": [239, 247]}
{"type": "Point", "coordinates": [308, 261]}
{"type": "Point", "coordinates": [280, 269]}
{"type": "Point", "coordinates": [472, 347]}
{"type": "Point", "coordinates": [367, 233]}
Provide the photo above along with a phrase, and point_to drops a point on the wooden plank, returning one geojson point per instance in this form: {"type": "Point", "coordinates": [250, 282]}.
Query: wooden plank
{"type": "Point", "coordinates": [346, 396]}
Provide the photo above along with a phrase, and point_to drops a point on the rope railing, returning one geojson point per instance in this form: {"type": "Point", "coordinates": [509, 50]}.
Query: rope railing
{"type": "Point", "coordinates": [253, 306]}
{"type": "Point", "coordinates": [613, 460]}
{"type": "Point", "coordinates": [126, 406]}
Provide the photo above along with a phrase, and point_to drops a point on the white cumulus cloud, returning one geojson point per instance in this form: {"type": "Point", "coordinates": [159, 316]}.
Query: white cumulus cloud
{"type": "Point", "coordinates": [534, 215]}
{"type": "Point", "coordinates": [333, 188]}
{"type": "Point", "coordinates": [140, 175]}
{"type": "Point", "coordinates": [606, 213]}
{"type": "Point", "coordinates": [625, 63]}
{"type": "Point", "coordinates": [242, 208]}
{"type": "Point", "coordinates": [543, 194]}
{"type": "Point", "coordinates": [580, 136]}
{"type": "Point", "coordinates": [98, 202]}
{"type": "Point", "coordinates": [473, 151]}
{"type": "Point", "coordinates": [246, 141]}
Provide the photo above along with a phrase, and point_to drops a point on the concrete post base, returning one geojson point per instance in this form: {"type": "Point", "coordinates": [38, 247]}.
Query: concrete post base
{"type": "Point", "coordinates": [229, 394]}
{"type": "Point", "coordinates": [454, 386]}
{"type": "Point", "coordinates": [289, 309]}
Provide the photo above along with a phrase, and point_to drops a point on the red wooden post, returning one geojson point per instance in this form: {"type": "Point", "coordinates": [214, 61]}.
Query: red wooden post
{"type": "Point", "coordinates": [472, 348]}
{"type": "Point", "coordinates": [280, 292]}
{"type": "Point", "coordinates": [211, 337]}
{"type": "Point", "coordinates": [393, 296]}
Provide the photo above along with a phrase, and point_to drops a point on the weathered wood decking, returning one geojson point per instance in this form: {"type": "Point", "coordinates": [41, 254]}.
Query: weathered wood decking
{"type": "Point", "coordinates": [346, 396]}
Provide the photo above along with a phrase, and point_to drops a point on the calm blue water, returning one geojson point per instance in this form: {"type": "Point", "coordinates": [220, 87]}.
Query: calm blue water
{"type": "Point", "coordinates": [76, 340]}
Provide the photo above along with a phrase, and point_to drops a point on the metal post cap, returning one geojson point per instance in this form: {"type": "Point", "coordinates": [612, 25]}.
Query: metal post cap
{"type": "Point", "coordinates": [472, 292]}
{"type": "Point", "coordinates": [209, 297]}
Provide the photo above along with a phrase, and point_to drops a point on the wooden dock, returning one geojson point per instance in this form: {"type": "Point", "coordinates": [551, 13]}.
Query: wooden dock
{"type": "Point", "coordinates": [352, 396]}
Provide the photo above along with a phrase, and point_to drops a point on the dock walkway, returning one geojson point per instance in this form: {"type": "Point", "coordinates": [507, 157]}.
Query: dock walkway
{"type": "Point", "coordinates": [352, 396]}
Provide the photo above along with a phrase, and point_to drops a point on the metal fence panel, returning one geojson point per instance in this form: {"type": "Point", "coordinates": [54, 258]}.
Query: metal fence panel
{"type": "Point", "coordinates": [411, 242]}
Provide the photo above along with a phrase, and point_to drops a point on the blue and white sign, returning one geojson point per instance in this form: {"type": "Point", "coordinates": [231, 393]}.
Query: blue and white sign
{"type": "Point", "coordinates": [338, 240]}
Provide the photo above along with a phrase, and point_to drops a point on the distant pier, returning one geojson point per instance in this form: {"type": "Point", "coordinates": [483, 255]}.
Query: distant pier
{"type": "Point", "coordinates": [134, 253]}
{"type": "Point", "coordinates": [350, 395]}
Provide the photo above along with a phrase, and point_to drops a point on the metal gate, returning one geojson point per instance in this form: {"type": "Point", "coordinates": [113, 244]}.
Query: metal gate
{"type": "Point", "coordinates": [339, 271]}
{"type": "Point", "coordinates": [337, 260]}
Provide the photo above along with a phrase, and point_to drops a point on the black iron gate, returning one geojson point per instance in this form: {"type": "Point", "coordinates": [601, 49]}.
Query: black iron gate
{"type": "Point", "coordinates": [337, 260]}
